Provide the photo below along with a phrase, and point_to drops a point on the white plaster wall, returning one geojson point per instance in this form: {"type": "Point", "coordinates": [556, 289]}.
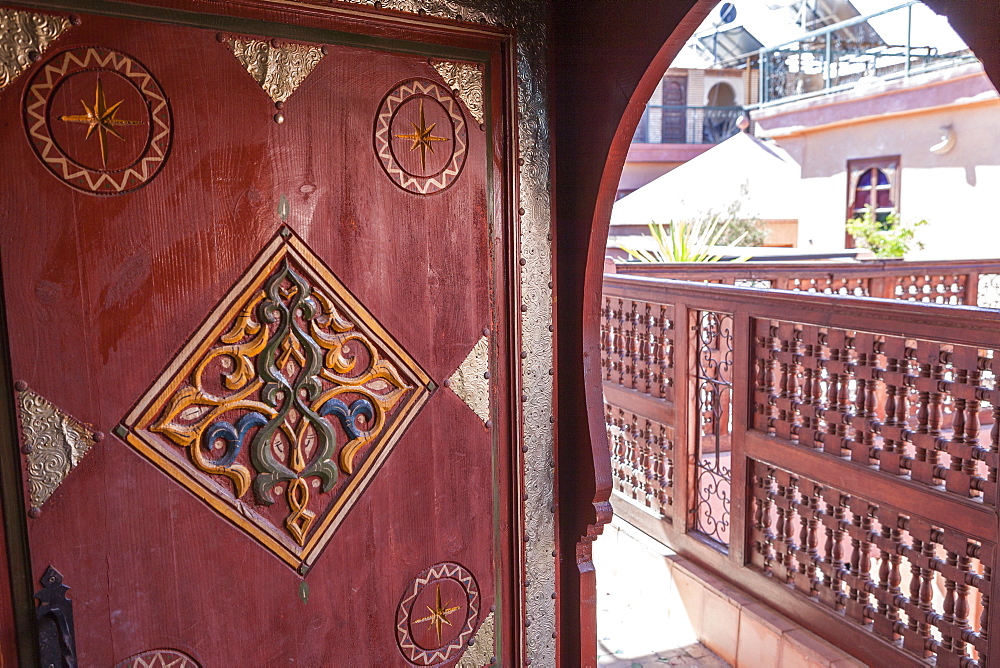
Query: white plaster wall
{"type": "Point", "coordinates": [696, 98]}
{"type": "Point", "coordinates": [637, 174]}
{"type": "Point", "coordinates": [958, 193]}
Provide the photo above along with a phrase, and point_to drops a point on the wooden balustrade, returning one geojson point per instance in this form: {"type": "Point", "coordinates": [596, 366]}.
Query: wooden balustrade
{"type": "Point", "coordinates": [835, 456]}
{"type": "Point", "coordinates": [955, 282]}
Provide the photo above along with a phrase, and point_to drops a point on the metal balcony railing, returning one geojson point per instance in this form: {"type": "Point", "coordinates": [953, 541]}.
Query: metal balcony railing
{"type": "Point", "coordinates": [836, 57]}
{"type": "Point", "coordinates": [665, 124]}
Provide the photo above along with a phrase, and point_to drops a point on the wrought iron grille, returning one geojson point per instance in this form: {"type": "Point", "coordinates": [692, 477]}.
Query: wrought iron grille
{"type": "Point", "coordinates": [665, 124]}
{"type": "Point", "coordinates": [836, 57]}
{"type": "Point", "coordinates": [989, 291]}
{"type": "Point", "coordinates": [714, 378]}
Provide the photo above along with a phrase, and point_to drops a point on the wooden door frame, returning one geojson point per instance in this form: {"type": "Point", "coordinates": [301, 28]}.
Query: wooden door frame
{"type": "Point", "coordinates": [15, 525]}
{"type": "Point", "coordinates": [264, 17]}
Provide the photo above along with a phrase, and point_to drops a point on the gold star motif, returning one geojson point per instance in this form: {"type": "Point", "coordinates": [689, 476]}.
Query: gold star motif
{"type": "Point", "coordinates": [422, 137]}
{"type": "Point", "coordinates": [439, 613]}
{"type": "Point", "coordinates": [102, 118]}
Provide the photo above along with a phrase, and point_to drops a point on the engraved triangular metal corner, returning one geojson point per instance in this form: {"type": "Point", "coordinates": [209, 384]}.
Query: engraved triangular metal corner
{"type": "Point", "coordinates": [471, 379]}
{"type": "Point", "coordinates": [481, 649]}
{"type": "Point", "coordinates": [466, 79]}
{"type": "Point", "coordinates": [53, 441]}
{"type": "Point", "coordinates": [24, 36]}
{"type": "Point", "coordinates": [278, 66]}
{"type": "Point", "coordinates": [283, 405]}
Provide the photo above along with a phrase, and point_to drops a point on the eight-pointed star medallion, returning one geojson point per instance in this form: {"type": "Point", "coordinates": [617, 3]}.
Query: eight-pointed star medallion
{"type": "Point", "coordinates": [102, 118]}
{"type": "Point", "coordinates": [421, 136]}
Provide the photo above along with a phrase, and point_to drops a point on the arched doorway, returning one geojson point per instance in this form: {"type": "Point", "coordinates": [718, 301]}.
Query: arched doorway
{"type": "Point", "coordinates": [721, 95]}
{"type": "Point", "coordinates": [720, 122]}
{"type": "Point", "coordinates": [591, 194]}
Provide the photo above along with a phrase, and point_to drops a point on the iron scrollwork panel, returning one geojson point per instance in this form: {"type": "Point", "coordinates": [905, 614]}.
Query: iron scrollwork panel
{"type": "Point", "coordinates": [714, 388]}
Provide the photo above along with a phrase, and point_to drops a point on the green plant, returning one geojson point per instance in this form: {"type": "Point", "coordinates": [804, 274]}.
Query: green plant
{"type": "Point", "coordinates": [888, 237]}
{"type": "Point", "coordinates": [691, 240]}
{"type": "Point", "coordinates": [743, 229]}
{"type": "Point", "coordinates": [685, 241]}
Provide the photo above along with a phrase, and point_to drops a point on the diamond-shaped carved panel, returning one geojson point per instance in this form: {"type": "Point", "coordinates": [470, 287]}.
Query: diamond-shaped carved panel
{"type": "Point", "coordinates": [283, 405]}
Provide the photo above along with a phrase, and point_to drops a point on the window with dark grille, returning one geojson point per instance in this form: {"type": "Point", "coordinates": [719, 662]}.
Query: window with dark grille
{"type": "Point", "coordinates": [872, 181]}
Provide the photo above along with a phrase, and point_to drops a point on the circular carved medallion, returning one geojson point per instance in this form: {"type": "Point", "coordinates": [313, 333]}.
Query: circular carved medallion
{"type": "Point", "coordinates": [437, 614]}
{"type": "Point", "coordinates": [421, 137]}
{"type": "Point", "coordinates": [97, 120]}
{"type": "Point", "coordinates": [159, 658]}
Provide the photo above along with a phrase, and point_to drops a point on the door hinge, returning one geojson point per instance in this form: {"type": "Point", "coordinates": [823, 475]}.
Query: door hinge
{"type": "Point", "coordinates": [54, 616]}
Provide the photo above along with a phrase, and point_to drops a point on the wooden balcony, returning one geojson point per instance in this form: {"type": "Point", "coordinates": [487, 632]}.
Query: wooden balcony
{"type": "Point", "coordinates": [833, 454]}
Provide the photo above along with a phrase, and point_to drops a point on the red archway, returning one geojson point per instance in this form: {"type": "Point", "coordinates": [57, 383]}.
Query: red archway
{"type": "Point", "coordinates": [599, 90]}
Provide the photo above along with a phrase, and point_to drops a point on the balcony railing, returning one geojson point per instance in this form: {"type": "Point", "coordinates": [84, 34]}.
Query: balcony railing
{"type": "Point", "coordinates": [954, 282]}
{"type": "Point", "coordinates": [836, 57]}
{"type": "Point", "coordinates": [836, 456]}
{"type": "Point", "coordinates": [664, 124]}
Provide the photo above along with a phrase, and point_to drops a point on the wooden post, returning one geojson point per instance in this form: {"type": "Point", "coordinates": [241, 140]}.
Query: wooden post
{"type": "Point", "coordinates": [742, 398]}
{"type": "Point", "coordinates": [684, 433]}
{"type": "Point", "coordinates": [972, 288]}
{"type": "Point", "coordinates": [881, 286]}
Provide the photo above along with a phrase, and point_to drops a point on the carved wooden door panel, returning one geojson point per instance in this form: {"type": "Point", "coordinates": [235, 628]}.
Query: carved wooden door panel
{"type": "Point", "coordinates": [258, 323]}
{"type": "Point", "coordinates": [674, 112]}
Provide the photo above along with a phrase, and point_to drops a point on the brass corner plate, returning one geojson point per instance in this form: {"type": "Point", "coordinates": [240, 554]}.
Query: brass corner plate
{"type": "Point", "coordinates": [54, 443]}
{"type": "Point", "coordinates": [24, 36]}
{"type": "Point", "coordinates": [279, 67]}
{"type": "Point", "coordinates": [466, 79]}
{"type": "Point", "coordinates": [482, 647]}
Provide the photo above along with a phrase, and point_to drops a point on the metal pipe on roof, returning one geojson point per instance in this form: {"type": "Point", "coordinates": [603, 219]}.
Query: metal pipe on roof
{"type": "Point", "coordinates": [844, 24]}
{"type": "Point", "coordinates": [909, 37]}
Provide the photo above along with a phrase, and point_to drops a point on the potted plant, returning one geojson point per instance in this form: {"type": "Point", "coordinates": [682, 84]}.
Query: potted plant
{"type": "Point", "coordinates": [885, 237]}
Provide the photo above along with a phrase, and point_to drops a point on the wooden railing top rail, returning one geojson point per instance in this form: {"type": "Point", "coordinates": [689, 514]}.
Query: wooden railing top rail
{"type": "Point", "coordinates": [968, 325]}
{"type": "Point", "coordinates": [701, 271]}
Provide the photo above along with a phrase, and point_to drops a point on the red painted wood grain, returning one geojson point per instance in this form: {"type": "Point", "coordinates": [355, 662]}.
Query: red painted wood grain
{"type": "Point", "coordinates": [101, 292]}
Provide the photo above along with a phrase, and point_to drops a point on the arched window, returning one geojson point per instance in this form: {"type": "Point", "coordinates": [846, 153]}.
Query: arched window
{"type": "Point", "coordinates": [873, 181]}
{"type": "Point", "coordinates": [873, 189]}
{"type": "Point", "coordinates": [721, 95]}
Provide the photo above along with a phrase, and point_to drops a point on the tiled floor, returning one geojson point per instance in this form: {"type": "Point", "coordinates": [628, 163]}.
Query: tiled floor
{"type": "Point", "coordinates": [637, 623]}
{"type": "Point", "coordinates": [692, 656]}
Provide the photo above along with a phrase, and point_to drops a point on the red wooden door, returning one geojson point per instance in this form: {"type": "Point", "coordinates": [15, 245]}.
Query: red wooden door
{"type": "Point", "coordinates": [257, 322]}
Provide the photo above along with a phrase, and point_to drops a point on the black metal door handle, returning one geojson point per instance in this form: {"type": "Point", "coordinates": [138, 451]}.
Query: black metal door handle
{"type": "Point", "coordinates": [54, 616]}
